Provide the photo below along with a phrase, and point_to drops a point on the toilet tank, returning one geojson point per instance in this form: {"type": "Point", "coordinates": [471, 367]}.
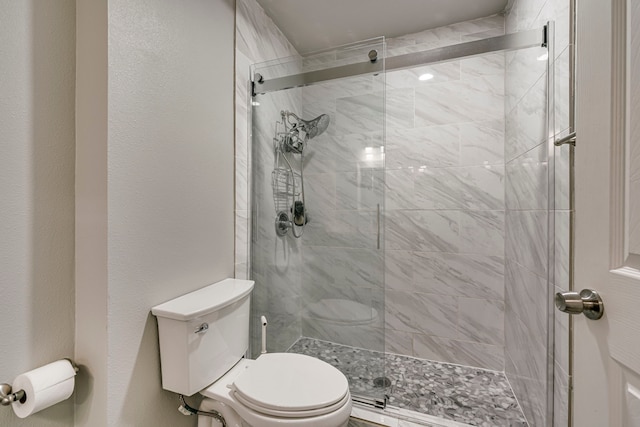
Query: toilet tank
{"type": "Point", "coordinates": [203, 334]}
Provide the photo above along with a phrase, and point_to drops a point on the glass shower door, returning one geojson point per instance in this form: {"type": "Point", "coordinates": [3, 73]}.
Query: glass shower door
{"type": "Point", "coordinates": [317, 251]}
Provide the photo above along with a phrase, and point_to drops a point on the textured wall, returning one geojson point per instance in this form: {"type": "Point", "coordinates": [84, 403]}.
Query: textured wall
{"type": "Point", "coordinates": [91, 213]}
{"type": "Point", "coordinates": [166, 170]}
{"type": "Point", "coordinates": [528, 201]}
{"type": "Point", "coordinates": [36, 186]}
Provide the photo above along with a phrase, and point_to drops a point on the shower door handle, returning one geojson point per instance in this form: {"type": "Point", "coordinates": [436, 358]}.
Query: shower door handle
{"type": "Point", "coordinates": [587, 302]}
{"type": "Point", "coordinates": [378, 225]}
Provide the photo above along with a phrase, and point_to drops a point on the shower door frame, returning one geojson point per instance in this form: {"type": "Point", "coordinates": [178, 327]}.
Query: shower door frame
{"type": "Point", "coordinates": [525, 39]}
{"type": "Point", "coordinates": [538, 37]}
{"type": "Point", "coordinates": [378, 399]}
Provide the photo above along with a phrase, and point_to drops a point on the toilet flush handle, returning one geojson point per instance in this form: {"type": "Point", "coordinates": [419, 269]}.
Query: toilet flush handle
{"type": "Point", "coordinates": [202, 328]}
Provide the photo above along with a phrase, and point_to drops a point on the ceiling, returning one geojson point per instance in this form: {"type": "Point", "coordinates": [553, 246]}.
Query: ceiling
{"type": "Point", "coordinates": [313, 25]}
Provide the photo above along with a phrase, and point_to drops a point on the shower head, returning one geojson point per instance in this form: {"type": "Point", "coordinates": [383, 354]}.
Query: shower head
{"type": "Point", "coordinates": [311, 128]}
{"type": "Point", "coordinates": [316, 126]}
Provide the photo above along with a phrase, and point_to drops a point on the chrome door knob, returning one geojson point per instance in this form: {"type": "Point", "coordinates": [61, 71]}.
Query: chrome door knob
{"type": "Point", "coordinates": [587, 302]}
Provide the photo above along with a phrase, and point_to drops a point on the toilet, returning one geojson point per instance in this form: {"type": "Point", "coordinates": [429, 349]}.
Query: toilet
{"type": "Point", "coordinates": [204, 336]}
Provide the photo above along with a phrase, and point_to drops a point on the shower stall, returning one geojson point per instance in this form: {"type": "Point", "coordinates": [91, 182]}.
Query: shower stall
{"type": "Point", "coordinates": [403, 220]}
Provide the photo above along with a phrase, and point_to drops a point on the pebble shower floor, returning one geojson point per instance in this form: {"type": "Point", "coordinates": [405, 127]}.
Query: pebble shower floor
{"type": "Point", "coordinates": [467, 395]}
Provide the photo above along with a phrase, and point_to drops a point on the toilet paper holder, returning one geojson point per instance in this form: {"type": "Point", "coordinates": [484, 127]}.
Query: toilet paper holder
{"type": "Point", "coordinates": [7, 396]}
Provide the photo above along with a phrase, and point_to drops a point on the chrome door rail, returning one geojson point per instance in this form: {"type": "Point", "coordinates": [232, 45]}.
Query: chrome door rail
{"type": "Point", "coordinates": [521, 40]}
{"type": "Point", "coordinates": [376, 402]}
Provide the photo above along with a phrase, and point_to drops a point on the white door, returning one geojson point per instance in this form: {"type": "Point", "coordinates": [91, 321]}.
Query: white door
{"type": "Point", "coordinates": [607, 227]}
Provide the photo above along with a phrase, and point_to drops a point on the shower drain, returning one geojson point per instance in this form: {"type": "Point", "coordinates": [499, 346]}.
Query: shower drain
{"type": "Point", "coordinates": [382, 382]}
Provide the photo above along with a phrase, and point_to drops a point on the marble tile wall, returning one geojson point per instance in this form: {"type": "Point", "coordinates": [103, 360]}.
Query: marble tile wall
{"type": "Point", "coordinates": [528, 206]}
{"type": "Point", "coordinates": [343, 269]}
{"type": "Point", "coordinates": [276, 262]}
{"type": "Point", "coordinates": [445, 203]}
{"type": "Point", "coordinates": [443, 186]}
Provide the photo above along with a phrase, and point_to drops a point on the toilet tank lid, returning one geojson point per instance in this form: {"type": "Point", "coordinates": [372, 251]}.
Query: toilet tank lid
{"type": "Point", "coordinates": [204, 301]}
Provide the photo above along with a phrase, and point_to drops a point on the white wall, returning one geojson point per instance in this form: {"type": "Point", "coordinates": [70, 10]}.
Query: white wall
{"type": "Point", "coordinates": [36, 192]}
{"type": "Point", "coordinates": [91, 213]}
{"type": "Point", "coordinates": [163, 155]}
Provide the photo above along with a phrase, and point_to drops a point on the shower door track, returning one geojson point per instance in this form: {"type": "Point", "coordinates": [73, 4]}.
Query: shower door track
{"type": "Point", "coordinates": [515, 41]}
{"type": "Point", "coordinates": [372, 402]}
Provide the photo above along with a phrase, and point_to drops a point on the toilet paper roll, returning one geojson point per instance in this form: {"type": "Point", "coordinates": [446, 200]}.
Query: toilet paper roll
{"type": "Point", "coordinates": [43, 387]}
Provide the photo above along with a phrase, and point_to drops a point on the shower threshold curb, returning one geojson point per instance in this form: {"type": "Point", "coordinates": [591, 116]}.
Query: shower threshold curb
{"type": "Point", "coordinates": [391, 417]}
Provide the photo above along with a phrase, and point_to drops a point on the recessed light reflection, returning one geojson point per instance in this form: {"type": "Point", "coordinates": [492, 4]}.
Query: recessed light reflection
{"type": "Point", "coordinates": [543, 57]}
{"type": "Point", "coordinates": [425, 76]}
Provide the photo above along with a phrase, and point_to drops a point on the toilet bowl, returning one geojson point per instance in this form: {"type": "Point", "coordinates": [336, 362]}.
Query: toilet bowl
{"type": "Point", "coordinates": [204, 336]}
{"type": "Point", "coordinates": [342, 321]}
{"type": "Point", "coordinates": [279, 389]}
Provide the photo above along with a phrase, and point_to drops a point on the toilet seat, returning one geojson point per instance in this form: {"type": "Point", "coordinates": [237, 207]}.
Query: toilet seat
{"type": "Point", "coordinates": [236, 390]}
{"type": "Point", "coordinates": [291, 385]}
{"type": "Point", "coordinates": [295, 414]}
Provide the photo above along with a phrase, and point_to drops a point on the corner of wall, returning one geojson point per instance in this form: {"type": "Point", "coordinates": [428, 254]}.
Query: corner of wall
{"type": "Point", "coordinates": [91, 213]}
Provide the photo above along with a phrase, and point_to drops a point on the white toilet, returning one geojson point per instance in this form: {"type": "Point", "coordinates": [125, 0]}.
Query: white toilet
{"type": "Point", "coordinates": [203, 338]}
